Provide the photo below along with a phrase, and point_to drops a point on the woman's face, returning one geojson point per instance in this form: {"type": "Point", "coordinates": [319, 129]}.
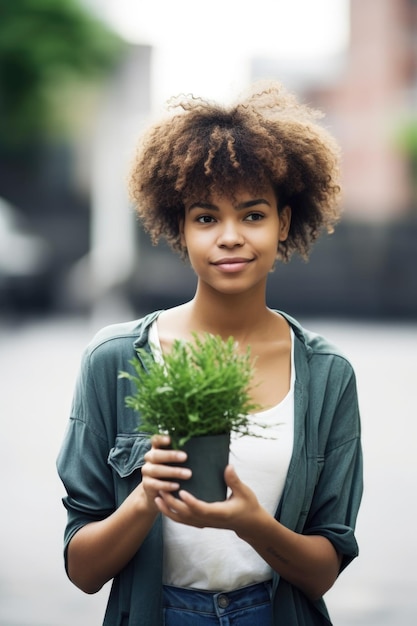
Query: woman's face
{"type": "Point", "coordinates": [232, 241]}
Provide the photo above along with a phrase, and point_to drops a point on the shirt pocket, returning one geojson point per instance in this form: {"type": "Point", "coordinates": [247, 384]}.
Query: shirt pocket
{"type": "Point", "coordinates": [126, 458]}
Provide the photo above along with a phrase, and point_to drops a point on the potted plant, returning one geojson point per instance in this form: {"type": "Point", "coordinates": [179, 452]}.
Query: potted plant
{"type": "Point", "coordinates": [198, 395]}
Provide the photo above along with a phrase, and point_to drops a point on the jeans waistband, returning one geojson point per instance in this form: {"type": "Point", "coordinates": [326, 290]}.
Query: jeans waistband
{"type": "Point", "coordinates": [219, 601]}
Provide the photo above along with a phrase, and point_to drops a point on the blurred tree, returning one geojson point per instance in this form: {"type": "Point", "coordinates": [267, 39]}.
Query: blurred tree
{"type": "Point", "coordinates": [47, 48]}
{"type": "Point", "coordinates": [406, 140]}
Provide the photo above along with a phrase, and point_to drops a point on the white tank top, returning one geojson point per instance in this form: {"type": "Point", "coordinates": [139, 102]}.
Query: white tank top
{"type": "Point", "coordinates": [215, 559]}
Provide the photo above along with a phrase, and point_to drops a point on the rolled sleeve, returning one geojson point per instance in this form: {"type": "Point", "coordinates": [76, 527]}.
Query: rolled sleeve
{"type": "Point", "coordinates": [83, 468]}
{"type": "Point", "coordinates": [338, 492]}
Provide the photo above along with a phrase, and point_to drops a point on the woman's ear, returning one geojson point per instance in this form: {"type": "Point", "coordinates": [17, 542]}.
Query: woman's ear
{"type": "Point", "coordinates": [284, 222]}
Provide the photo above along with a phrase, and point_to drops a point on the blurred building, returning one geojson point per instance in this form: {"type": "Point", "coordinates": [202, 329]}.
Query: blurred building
{"type": "Point", "coordinates": [367, 95]}
{"type": "Point", "coordinates": [373, 97]}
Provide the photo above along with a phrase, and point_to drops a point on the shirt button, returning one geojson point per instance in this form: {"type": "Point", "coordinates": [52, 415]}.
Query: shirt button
{"type": "Point", "coordinates": [223, 601]}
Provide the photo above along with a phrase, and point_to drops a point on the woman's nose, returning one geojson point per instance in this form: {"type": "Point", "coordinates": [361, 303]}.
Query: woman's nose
{"type": "Point", "coordinates": [230, 235]}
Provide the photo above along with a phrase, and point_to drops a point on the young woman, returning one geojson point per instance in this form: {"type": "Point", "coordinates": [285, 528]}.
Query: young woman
{"type": "Point", "coordinates": [232, 189]}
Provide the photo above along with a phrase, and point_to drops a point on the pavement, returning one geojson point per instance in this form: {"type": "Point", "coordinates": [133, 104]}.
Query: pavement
{"type": "Point", "coordinates": [39, 359]}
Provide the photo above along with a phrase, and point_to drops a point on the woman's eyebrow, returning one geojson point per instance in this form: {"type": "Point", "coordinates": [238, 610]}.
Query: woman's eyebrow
{"type": "Point", "coordinates": [251, 203]}
{"type": "Point", "coordinates": [203, 205]}
{"type": "Point", "coordinates": [239, 207]}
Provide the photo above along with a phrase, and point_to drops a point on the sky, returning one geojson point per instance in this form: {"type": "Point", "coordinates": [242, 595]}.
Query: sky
{"type": "Point", "coordinates": [205, 47]}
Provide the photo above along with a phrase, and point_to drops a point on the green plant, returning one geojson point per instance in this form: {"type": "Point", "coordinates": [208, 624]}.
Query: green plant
{"type": "Point", "coordinates": [201, 388]}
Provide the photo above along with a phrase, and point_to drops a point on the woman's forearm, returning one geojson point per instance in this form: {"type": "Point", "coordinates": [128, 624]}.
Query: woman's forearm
{"type": "Point", "coordinates": [100, 550]}
{"type": "Point", "coordinates": [309, 562]}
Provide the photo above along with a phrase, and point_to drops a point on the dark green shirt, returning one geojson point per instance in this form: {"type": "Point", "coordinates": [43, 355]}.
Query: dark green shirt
{"type": "Point", "coordinates": [102, 454]}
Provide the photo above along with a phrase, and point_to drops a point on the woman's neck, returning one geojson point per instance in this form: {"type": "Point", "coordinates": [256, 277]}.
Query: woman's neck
{"type": "Point", "coordinates": [225, 316]}
{"type": "Point", "coordinates": [243, 316]}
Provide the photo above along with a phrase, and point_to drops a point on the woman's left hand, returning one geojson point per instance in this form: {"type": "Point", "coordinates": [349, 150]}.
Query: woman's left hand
{"type": "Point", "coordinates": [233, 513]}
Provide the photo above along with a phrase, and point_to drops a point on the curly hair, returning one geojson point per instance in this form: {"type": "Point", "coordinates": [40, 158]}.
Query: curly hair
{"type": "Point", "coordinates": [266, 138]}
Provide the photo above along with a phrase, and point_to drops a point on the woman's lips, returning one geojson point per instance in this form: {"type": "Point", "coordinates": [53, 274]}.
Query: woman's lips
{"type": "Point", "coordinates": [230, 265]}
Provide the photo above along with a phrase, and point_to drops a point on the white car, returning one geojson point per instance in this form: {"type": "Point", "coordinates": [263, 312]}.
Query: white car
{"type": "Point", "coordinates": [25, 262]}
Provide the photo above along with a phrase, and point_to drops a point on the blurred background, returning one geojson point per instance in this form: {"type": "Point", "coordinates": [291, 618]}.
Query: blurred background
{"type": "Point", "coordinates": [79, 80]}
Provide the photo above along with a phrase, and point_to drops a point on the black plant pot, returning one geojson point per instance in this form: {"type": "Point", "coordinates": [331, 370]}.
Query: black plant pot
{"type": "Point", "coordinates": [207, 458]}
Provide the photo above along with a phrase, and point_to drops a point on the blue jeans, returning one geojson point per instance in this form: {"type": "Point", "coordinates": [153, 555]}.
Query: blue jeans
{"type": "Point", "coordinates": [248, 606]}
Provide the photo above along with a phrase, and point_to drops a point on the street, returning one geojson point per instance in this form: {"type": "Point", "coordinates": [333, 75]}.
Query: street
{"type": "Point", "coordinates": [38, 363]}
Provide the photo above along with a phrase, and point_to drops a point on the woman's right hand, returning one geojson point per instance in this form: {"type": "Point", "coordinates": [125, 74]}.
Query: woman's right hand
{"type": "Point", "coordinates": [160, 471]}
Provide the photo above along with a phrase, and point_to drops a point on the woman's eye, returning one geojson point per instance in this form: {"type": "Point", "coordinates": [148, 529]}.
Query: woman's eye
{"type": "Point", "coordinates": [205, 219]}
{"type": "Point", "coordinates": [254, 217]}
